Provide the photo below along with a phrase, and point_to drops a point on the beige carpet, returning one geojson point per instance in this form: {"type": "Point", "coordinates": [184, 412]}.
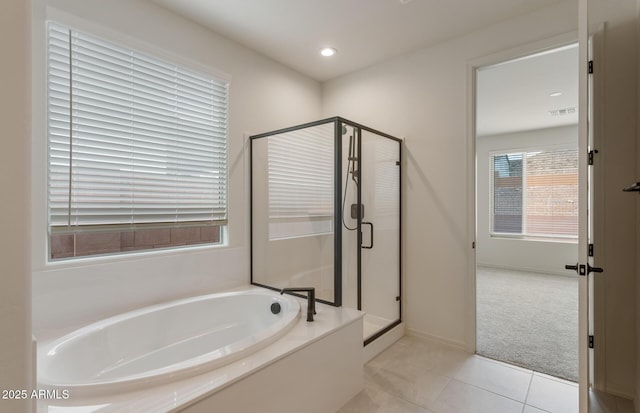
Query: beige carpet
{"type": "Point", "coordinates": [529, 319]}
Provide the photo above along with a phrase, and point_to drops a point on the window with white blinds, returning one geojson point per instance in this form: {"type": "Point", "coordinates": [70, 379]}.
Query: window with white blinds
{"type": "Point", "coordinates": [134, 141]}
{"type": "Point", "coordinates": [301, 182]}
{"type": "Point", "coordinates": [535, 193]}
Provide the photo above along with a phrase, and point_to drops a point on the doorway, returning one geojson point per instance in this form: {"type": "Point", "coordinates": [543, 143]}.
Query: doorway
{"type": "Point", "coordinates": [527, 190]}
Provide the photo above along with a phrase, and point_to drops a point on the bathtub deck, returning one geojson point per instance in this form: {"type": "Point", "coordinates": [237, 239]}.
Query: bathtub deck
{"type": "Point", "coordinates": [188, 394]}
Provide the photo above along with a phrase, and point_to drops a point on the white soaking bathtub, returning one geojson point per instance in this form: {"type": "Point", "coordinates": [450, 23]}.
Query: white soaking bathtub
{"type": "Point", "coordinates": [164, 342]}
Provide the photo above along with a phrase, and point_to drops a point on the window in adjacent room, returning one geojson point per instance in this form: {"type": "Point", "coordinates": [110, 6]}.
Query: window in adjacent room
{"type": "Point", "coordinates": [535, 193]}
{"type": "Point", "coordinates": [137, 153]}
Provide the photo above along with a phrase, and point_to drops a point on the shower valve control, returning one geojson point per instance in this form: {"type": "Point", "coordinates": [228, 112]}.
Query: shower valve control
{"type": "Point", "coordinates": [354, 211]}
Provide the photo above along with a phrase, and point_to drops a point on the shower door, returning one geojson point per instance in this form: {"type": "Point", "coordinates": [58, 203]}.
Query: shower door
{"type": "Point", "coordinates": [378, 236]}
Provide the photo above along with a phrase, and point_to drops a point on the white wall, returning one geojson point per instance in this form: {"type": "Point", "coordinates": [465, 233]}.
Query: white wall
{"type": "Point", "coordinates": [422, 96]}
{"type": "Point", "coordinates": [15, 300]}
{"type": "Point", "coordinates": [524, 254]}
{"type": "Point", "coordinates": [264, 95]}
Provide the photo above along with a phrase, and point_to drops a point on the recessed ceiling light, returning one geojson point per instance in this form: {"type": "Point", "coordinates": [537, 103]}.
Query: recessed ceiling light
{"type": "Point", "coordinates": [328, 51]}
{"type": "Point", "coordinates": [554, 94]}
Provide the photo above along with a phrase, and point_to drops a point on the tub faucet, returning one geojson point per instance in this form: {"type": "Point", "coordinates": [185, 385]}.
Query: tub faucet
{"type": "Point", "coordinates": [311, 299]}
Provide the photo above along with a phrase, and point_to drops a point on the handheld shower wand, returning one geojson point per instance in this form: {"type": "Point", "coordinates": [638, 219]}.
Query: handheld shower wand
{"type": "Point", "coordinates": [351, 170]}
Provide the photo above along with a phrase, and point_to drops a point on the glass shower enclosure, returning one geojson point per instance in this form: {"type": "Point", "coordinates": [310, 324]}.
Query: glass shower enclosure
{"type": "Point", "coordinates": [326, 213]}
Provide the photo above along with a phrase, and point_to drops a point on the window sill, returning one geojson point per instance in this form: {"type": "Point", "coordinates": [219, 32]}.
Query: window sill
{"type": "Point", "coordinates": [117, 257]}
{"type": "Point", "coordinates": [530, 238]}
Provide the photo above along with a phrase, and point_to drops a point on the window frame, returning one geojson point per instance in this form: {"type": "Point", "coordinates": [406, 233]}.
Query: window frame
{"type": "Point", "coordinates": [523, 235]}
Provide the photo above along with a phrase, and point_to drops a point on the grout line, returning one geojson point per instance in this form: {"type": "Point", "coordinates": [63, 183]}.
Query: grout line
{"type": "Point", "coordinates": [556, 379]}
{"type": "Point", "coordinates": [437, 397]}
{"type": "Point", "coordinates": [488, 391]}
{"type": "Point", "coordinates": [535, 407]}
{"type": "Point", "coordinates": [528, 370]}
{"type": "Point", "coordinates": [395, 396]}
{"type": "Point", "coordinates": [505, 364]}
{"type": "Point", "coordinates": [501, 364]}
{"type": "Point", "coordinates": [526, 397]}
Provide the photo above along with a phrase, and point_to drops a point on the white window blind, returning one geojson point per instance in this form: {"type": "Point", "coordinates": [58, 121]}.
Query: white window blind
{"type": "Point", "coordinates": [535, 193]}
{"type": "Point", "coordinates": [301, 181]}
{"type": "Point", "coordinates": [133, 140]}
{"type": "Point", "coordinates": [387, 177]}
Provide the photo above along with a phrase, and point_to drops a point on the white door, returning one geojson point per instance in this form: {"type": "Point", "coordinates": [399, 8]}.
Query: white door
{"type": "Point", "coordinates": [583, 266]}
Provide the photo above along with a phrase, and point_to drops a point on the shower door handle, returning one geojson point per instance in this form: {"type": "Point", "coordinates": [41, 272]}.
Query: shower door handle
{"type": "Point", "coordinates": [371, 241]}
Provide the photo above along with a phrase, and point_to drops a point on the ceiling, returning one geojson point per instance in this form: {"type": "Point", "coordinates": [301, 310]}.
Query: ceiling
{"type": "Point", "coordinates": [515, 96]}
{"type": "Point", "coordinates": [511, 97]}
{"type": "Point", "coordinates": [363, 32]}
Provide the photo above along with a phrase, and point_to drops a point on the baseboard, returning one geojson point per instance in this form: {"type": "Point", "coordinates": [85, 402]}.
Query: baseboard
{"type": "Point", "coordinates": [460, 345]}
{"type": "Point", "coordinates": [383, 342]}
{"type": "Point", "coordinates": [612, 390]}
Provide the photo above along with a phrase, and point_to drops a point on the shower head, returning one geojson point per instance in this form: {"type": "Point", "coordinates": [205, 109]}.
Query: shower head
{"type": "Point", "coordinates": [344, 129]}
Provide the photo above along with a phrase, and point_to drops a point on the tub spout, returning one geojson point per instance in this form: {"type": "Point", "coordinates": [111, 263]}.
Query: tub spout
{"type": "Point", "coordinates": [311, 299]}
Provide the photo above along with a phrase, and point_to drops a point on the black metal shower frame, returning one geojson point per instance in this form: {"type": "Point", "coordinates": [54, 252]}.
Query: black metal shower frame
{"type": "Point", "coordinates": [337, 211]}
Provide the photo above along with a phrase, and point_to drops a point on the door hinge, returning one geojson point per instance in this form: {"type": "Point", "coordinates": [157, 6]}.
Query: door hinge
{"type": "Point", "coordinates": [591, 153]}
{"type": "Point", "coordinates": [590, 341]}
{"type": "Point", "coordinates": [590, 250]}
{"type": "Point", "coordinates": [473, 245]}
{"type": "Point", "coordinates": [397, 163]}
{"type": "Point", "coordinates": [590, 67]}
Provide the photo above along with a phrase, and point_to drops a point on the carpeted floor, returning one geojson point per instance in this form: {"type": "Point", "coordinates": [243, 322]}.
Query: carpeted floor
{"type": "Point", "coordinates": [529, 319]}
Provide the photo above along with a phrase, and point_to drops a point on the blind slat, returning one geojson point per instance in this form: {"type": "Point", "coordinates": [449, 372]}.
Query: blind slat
{"type": "Point", "coordinates": [300, 172]}
{"type": "Point", "coordinates": [132, 139]}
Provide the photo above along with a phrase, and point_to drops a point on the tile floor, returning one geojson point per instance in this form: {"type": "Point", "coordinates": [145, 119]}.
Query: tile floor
{"type": "Point", "coordinates": [420, 376]}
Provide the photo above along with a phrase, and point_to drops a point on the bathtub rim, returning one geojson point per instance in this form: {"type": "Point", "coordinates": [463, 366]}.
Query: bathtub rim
{"type": "Point", "coordinates": [194, 366]}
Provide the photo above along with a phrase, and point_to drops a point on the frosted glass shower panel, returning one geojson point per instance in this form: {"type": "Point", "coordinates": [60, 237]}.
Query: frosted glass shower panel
{"type": "Point", "coordinates": [293, 209]}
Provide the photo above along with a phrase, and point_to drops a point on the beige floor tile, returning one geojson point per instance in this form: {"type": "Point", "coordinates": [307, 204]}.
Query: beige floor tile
{"type": "Point", "coordinates": [602, 403]}
{"type": "Point", "coordinates": [529, 409]}
{"type": "Point", "coordinates": [421, 388]}
{"type": "Point", "coordinates": [458, 397]}
{"type": "Point", "coordinates": [371, 400]}
{"type": "Point", "coordinates": [553, 395]}
{"type": "Point", "coordinates": [412, 356]}
{"type": "Point", "coordinates": [606, 403]}
{"type": "Point", "coordinates": [625, 405]}
{"type": "Point", "coordinates": [416, 375]}
{"type": "Point", "coordinates": [495, 377]}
